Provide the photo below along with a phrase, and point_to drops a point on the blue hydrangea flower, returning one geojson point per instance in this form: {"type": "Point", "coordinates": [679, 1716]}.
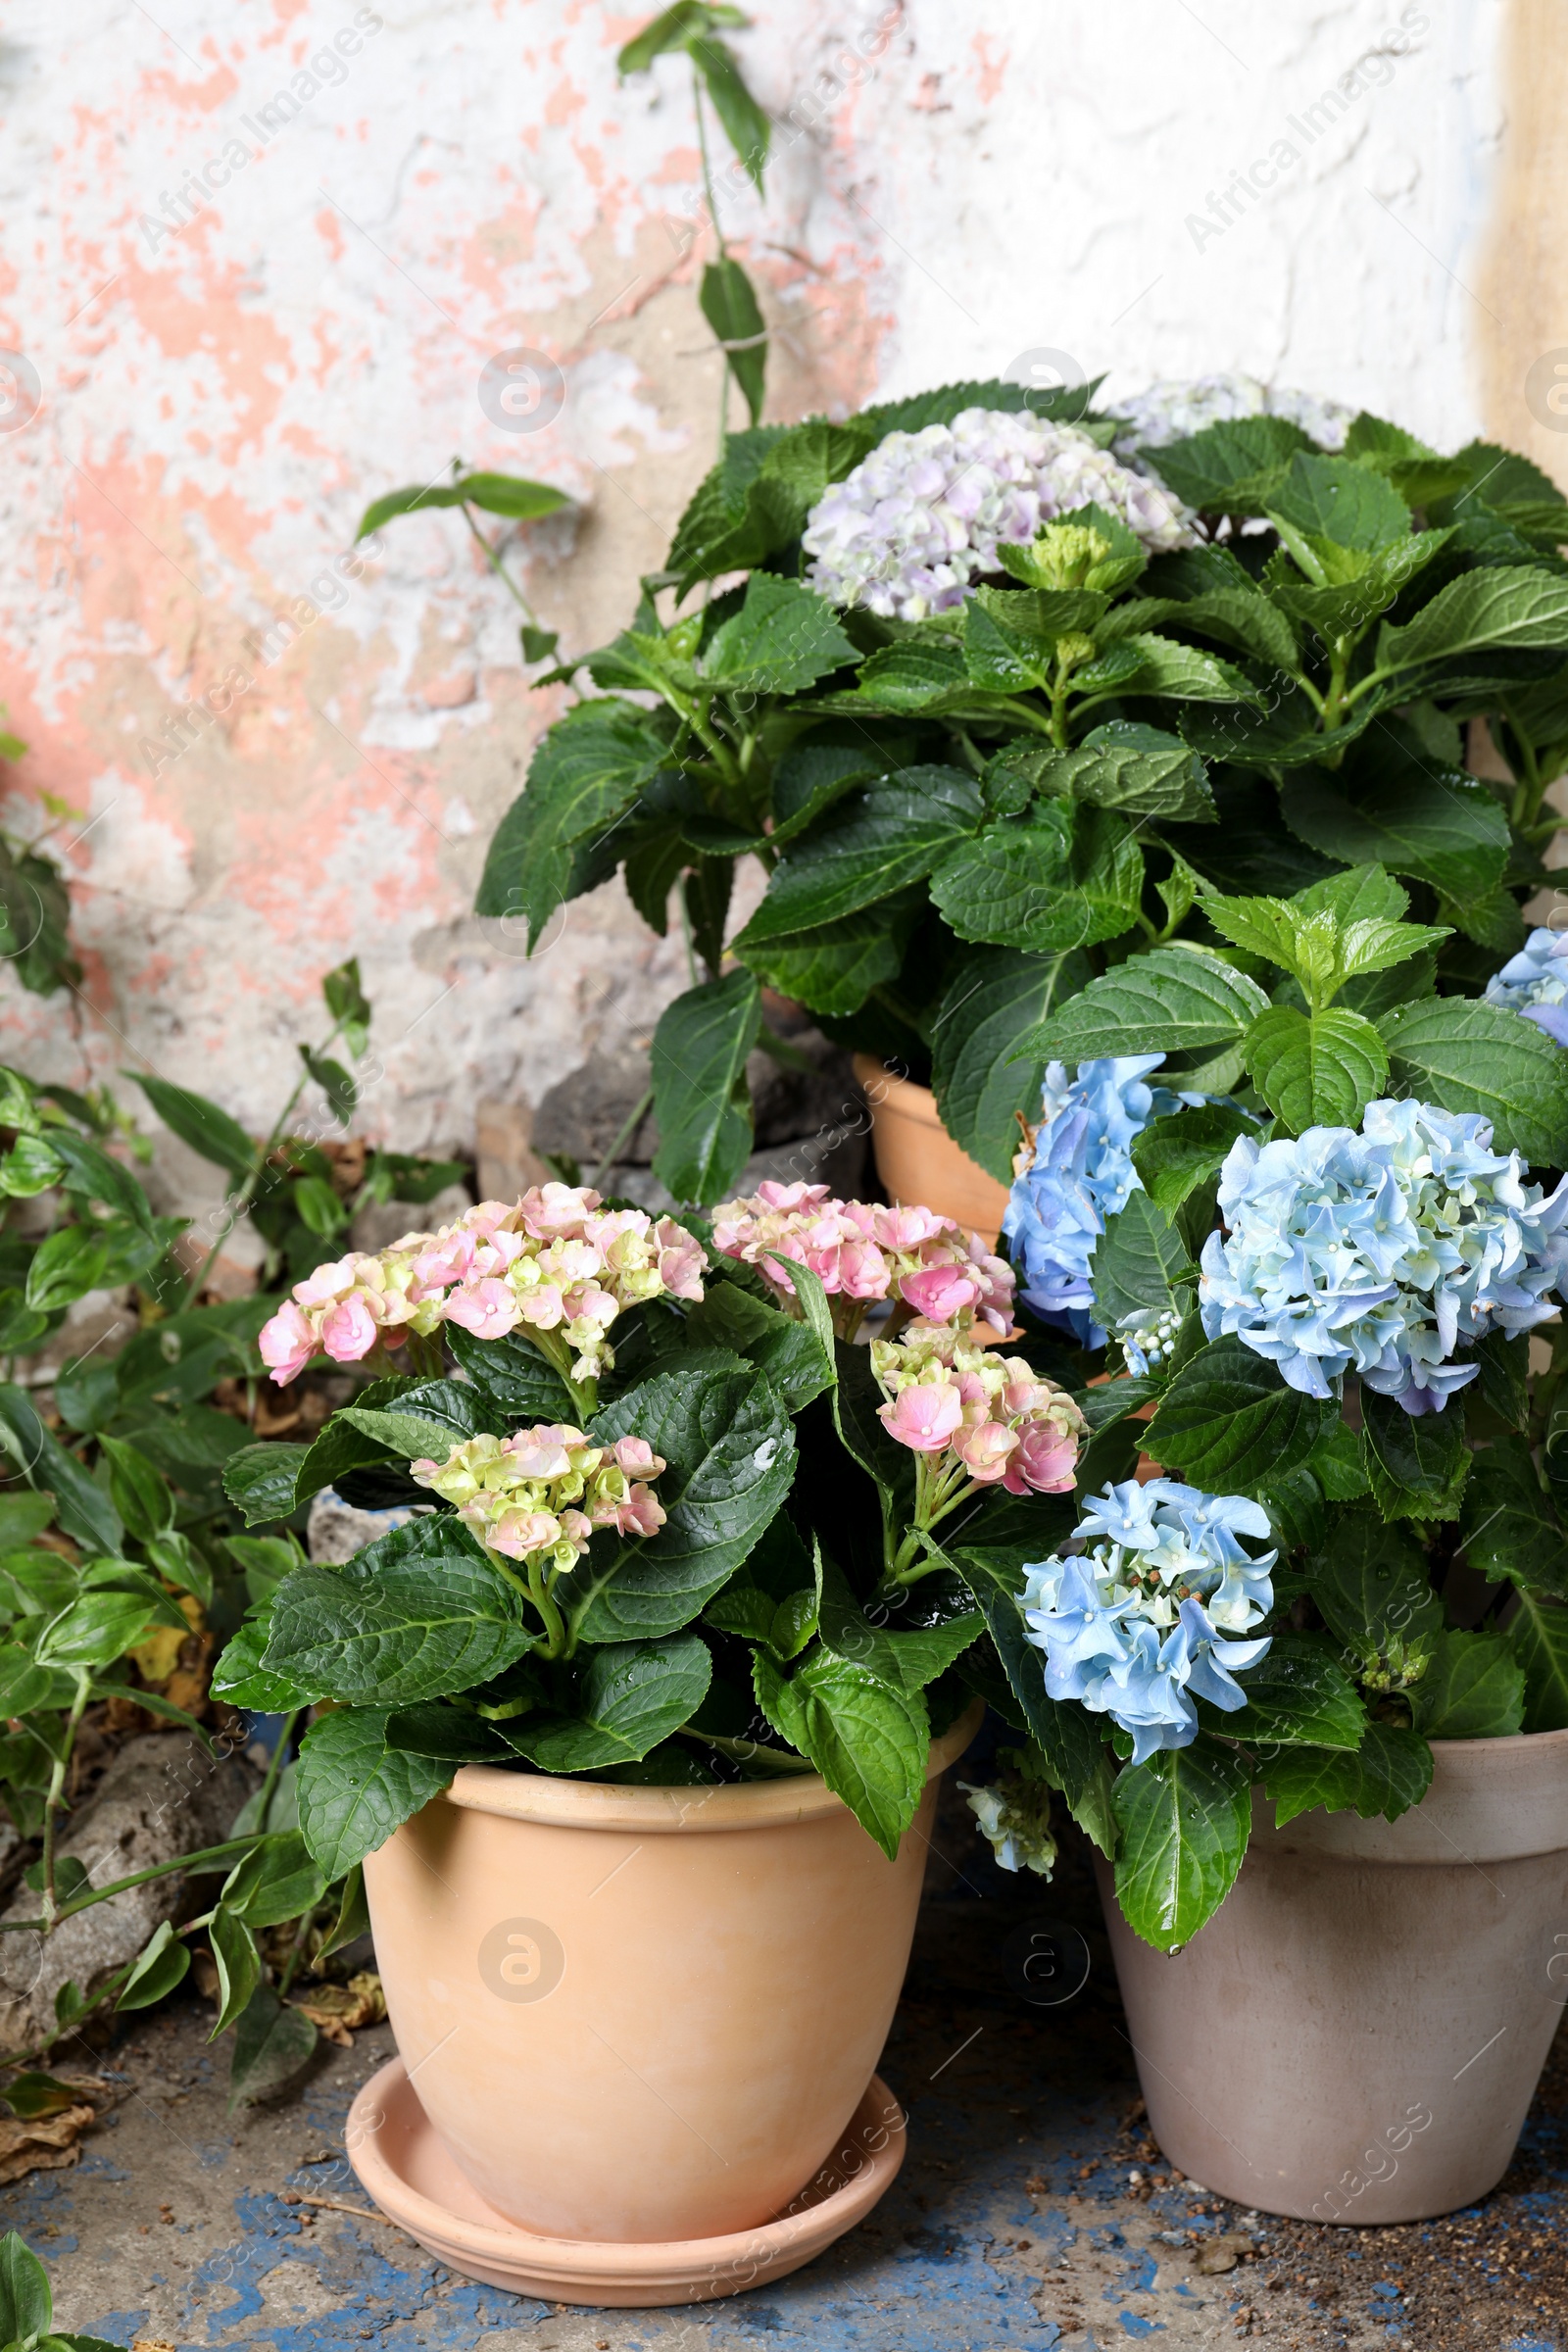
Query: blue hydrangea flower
{"type": "Point", "coordinates": [1077, 1172]}
{"type": "Point", "coordinates": [1534, 982]}
{"type": "Point", "coordinates": [1381, 1252]}
{"type": "Point", "coordinates": [1138, 1620]}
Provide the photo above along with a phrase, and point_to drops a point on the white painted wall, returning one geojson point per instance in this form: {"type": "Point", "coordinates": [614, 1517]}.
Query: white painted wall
{"type": "Point", "coordinates": [217, 405]}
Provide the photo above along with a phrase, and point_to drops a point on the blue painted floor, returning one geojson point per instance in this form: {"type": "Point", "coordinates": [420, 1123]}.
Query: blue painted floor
{"type": "Point", "coordinates": [1031, 2210]}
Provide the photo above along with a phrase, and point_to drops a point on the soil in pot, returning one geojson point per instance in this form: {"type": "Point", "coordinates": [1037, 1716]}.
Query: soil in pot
{"type": "Point", "coordinates": [917, 1160]}
{"type": "Point", "coordinates": [1357, 2034]}
{"type": "Point", "coordinates": [635, 2014]}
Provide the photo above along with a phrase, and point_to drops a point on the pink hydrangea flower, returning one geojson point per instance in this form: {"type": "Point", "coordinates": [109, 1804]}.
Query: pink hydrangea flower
{"type": "Point", "coordinates": [555, 1260]}
{"type": "Point", "coordinates": [1046, 1461]}
{"type": "Point", "coordinates": [862, 1251]}
{"type": "Point", "coordinates": [985, 1450]}
{"type": "Point", "coordinates": [922, 1418]}
{"type": "Point", "coordinates": [538, 1496]}
{"type": "Point", "coordinates": [286, 1342]}
{"type": "Point", "coordinates": [978, 1418]}
{"type": "Point", "coordinates": [349, 1329]}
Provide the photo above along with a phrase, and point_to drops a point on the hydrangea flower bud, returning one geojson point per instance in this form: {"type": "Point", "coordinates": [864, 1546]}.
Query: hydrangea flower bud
{"type": "Point", "coordinates": [539, 1495]}
{"type": "Point", "coordinates": [1013, 1815]}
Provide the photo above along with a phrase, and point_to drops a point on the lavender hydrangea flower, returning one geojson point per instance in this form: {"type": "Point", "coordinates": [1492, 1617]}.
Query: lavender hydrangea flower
{"type": "Point", "coordinates": [1075, 1173]}
{"type": "Point", "coordinates": [924, 513]}
{"type": "Point", "coordinates": [1172, 411]}
{"type": "Point", "coordinates": [1534, 982]}
{"type": "Point", "coordinates": [1381, 1252]}
{"type": "Point", "coordinates": [1140, 1620]}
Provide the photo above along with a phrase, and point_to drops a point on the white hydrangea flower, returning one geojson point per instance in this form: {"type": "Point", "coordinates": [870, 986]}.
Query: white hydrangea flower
{"type": "Point", "coordinates": [924, 514]}
{"type": "Point", "coordinates": [1172, 411]}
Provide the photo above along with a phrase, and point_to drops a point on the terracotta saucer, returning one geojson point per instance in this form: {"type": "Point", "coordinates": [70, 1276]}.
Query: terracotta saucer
{"type": "Point", "coordinates": [407, 2171]}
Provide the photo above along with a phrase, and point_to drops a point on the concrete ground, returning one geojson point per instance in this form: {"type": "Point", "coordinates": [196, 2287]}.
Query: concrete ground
{"type": "Point", "coordinates": [1031, 2210]}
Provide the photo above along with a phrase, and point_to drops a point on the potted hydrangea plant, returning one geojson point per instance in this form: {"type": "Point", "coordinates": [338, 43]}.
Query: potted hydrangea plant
{"type": "Point", "coordinates": [994, 689]}
{"type": "Point", "coordinates": [633, 1726]}
{"type": "Point", "coordinates": [1315, 1595]}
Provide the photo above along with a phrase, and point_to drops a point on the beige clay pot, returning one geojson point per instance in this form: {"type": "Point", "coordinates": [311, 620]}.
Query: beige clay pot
{"type": "Point", "coordinates": [917, 1160]}
{"type": "Point", "coordinates": [637, 2014]}
{"type": "Point", "coordinates": [1357, 2034]}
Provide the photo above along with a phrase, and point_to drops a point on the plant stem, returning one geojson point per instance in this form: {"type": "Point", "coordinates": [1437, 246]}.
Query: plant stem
{"type": "Point", "coordinates": [231, 1851]}
{"type": "Point", "coordinates": [246, 1193]}
{"type": "Point", "coordinates": [296, 1952]}
{"type": "Point", "coordinates": [275, 1766]}
{"type": "Point", "coordinates": [500, 570]}
{"type": "Point", "coordinates": [718, 240]}
{"type": "Point", "coordinates": [57, 1789]}
{"type": "Point", "coordinates": [633, 1122]}
{"type": "Point", "coordinates": [748, 1751]}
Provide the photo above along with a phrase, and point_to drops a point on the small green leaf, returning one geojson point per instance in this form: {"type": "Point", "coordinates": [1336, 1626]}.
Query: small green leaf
{"type": "Point", "coordinates": [746, 126]}
{"type": "Point", "coordinates": [634, 1695]}
{"type": "Point", "coordinates": [1171, 1000]}
{"type": "Point", "coordinates": [206, 1129]}
{"type": "Point", "coordinates": [419, 1614]}
{"type": "Point", "coordinates": [1473, 1689]}
{"type": "Point", "coordinates": [26, 2307]}
{"type": "Point", "coordinates": [729, 1446]}
{"type": "Point", "coordinates": [273, 2046]}
{"type": "Point", "coordinates": [868, 1741]}
{"type": "Point", "coordinates": [1538, 1636]}
{"type": "Point", "coordinates": [699, 1078]}
{"type": "Point", "coordinates": [239, 1966]}
{"type": "Point", "coordinates": [276, 1880]}
{"type": "Point", "coordinates": [334, 1082]}
{"type": "Point", "coordinates": [1316, 1070]}
{"type": "Point", "coordinates": [1388, 1774]}
{"type": "Point", "coordinates": [1416, 1463]}
{"type": "Point", "coordinates": [354, 1790]}
{"type": "Point", "coordinates": [1140, 1261]}
{"type": "Point", "coordinates": [783, 639]}
{"type": "Point", "coordinates": [1228, 1419]}
{"type": "Point", "coordinates": [1466, 1056]}
{"type": "Point", "coordinates": [1234, 467]}
{"type": "Point", "coordinates": [1176, 1156]}
{"type": "Point", "coordinates": [1185, 1816]}
{"type": "Point", "coordinates": [1494, 608]}
{"type": "Point", "coordinates": [162, 1963]}
{"type": "Point", "coordinates": [1297, 1695]}
{"type": "Point", "coordinates": [140, 1494]}
{"type": "Point", "coordinates": [730, 304]}
{"type": "Point", "coordinates": [585, 776]}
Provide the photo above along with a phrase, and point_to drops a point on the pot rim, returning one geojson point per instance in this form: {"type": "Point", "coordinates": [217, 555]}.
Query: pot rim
{"type": "Point", "coordinates": [913, 1101]}
{"type": "Point", "coordinates": [567, 1803]}
{"type": "Point", "coordinates": [1506, 1740]}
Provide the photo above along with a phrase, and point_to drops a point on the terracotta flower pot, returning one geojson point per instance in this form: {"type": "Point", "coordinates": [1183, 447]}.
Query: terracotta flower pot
{"type": "Point", "coordinates": [918, 1160]}
{"type": "Point", "coordinates": [1357, 2034]}
{"type": "Point", "coordinates": [643, 2014]}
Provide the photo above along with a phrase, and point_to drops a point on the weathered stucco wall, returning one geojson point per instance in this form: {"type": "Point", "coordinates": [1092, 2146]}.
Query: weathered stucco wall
{"type": "Point", "coordinates": [284, 753]}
